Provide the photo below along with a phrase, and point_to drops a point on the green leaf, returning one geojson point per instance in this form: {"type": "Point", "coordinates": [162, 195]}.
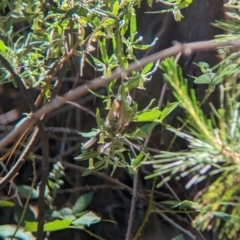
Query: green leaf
{"type": "Point", "coordinates": [2, 47]}
{"type": "Point", "coordinates": [125, 23]}
{"type": "Point", "coordinates": [148, 115]}
{"type": "Point", "coordinates": [25, 190]}
{"type": "Point", "coordinates": [96, 167]}
{"type": "Point", "coordinates": [144, 46]}
{"type": "Point", "coordinates": [141, 84]}
{"type": "Point", "coordinates": [48, 227]}
{"type": "Point", "coordinates": [183, 3]}
{"type": "Point", "coordinates": [98, 119]}
{"type": "Point", "coordinates": [6, 204]}
{"type": "Point", "coordinates": [82, 202]}
{"type": "Point", "coordinates": [170, 202]}
{"type": "Point", "coordinates": [87, 155]}
{"type": "Point", "coordinates": [150, 2]}
{"type": "Point", "coordinates": [223, 216]}
{"type": "Point", "coordinates": [168, 109]}
{"type": "Point", "coordinates": [87, 219]}
{"type": "Point", "coordinates": [103, 49]}
{"type": "Point", "coordinates": [144, 130]}
{"type": "Point", "coordinates": [133, 82]}
{"type": "Point", "coordinates": [133, 25]}
{"type": "Point", "coordinates": [147, 68]}
{"type": "Point", "coordinates": [187, 205]}
{"type": "Point", "coordinates": [141, 157]}
{"type": "Point", "coordinates": [95, 21]}
{"type": "Point", "coordinates": [91, 134]}
{"type": "Point", "coordinates": [139, 133]}
{"type": "Point", "coordinates": [204, 66]}
{"type": "Point", "coordinates": [115, 7]}
{"type": "Point", "coordinates": [205, 78]}
{"type": "Point", "coordinates": [97, 95]}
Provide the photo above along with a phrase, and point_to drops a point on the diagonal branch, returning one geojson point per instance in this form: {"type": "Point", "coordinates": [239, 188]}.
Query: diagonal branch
{"type": "Point", "coordinates": [185, 49]}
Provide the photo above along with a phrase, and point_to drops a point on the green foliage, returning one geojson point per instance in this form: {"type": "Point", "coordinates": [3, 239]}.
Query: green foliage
{"type": "Point", "coordinates": [64, 218]}
{"type": "Point", "coordinates": [213, 147]}
{"type": "Point", "coordinates": [38, 38]}
{"type": "Point", "coordinates": [86, 219]}
{"type": "Point", "coordinates": [112, 140]}
{"type": "Point", "coordinates": [176, 6]}
{"type": "Point", "coordinates": [6, 204]}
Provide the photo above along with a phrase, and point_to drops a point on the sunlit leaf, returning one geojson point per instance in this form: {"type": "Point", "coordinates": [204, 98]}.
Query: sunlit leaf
{"type": "Point", "coordinates": [168, 109]}
{"type": "Point", "coordinates": [103, 49]}
{"type": "Point", "coordinates": [147, 68]}
{"type": "Point", "coordinates": [2, 47]}
{"type": "Point", "coordinates": [139, 159]}
{"type": "Point", "coordinates": [133, 25]}
{"type": "Point", "coordinates": [115, 7]}
{"type": "Point", "coordinates": [183, 3]}
{"type": "Point", "coordinates": [148, 116]}
{"type": "Point", "coordinates": [55, 225]}
{"type": "Point", "coordinates": [133, 82]}
{"type": "Point", "coordinates": [6, 204]}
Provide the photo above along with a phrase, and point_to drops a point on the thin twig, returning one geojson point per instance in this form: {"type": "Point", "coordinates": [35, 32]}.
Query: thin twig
{"type": "Point", "coordinates": [12, 172]}
{"type": "Point", "coordinates": [87, 188]}
{"type": "Point", "coordinates": [148, 212]}
{"type": "Point", "coordinates": [42, 187]}
{"type": "Point", "coordinates": [78, 92]}
{"type": "Point", "coordinates": [82, 108]}
{"type": "Point", "coordinates": [161, 98]}
{"type": "Point", "coordinates": [27, 200]}
{"type": "Point", "coordinates": [133, 204]}
{"type": "Point", "coordinates": [130, 190]}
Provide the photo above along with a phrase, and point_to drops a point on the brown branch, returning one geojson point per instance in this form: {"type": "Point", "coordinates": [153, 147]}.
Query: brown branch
{"type": "Point", "coordinates": [21, 160]}
{"type": "Point", "coordinates": [78, 92]}
{"type": "Point", "coordinates": [44, 173]}
{"type": "Point", "coordinates": [133, 205]}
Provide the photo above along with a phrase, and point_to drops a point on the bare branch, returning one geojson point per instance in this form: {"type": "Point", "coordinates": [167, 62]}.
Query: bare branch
{"type": "Point", "coordinates": [185, 49]}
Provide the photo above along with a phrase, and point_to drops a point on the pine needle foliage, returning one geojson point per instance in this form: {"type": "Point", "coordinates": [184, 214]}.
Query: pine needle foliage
{"type": "Point", "coordinates": [213, 142]}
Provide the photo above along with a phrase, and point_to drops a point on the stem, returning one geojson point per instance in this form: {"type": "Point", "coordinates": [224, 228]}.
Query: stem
{"type": "Point", "coordinates": [150, 204]}
{"type": "Point", "coordinates": [133, 204]}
